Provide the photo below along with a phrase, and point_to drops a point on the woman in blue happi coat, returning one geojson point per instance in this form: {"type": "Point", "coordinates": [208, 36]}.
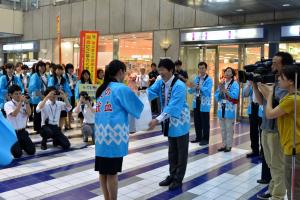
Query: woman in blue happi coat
{"type": "Point", "coordinates": [7, 80]}
{"type": "Point", "coordinates": [36, 89]}
{"type": "Point", "coordinates": [60, 83]}
{"type": "Point", "coordinates": [227, 96]}
{"type": "Point", "coordinates": [115, 101]}
{"type": "Point", "coordinates": [175, 117]}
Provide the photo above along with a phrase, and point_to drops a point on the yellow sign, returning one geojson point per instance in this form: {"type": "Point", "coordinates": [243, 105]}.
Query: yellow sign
{"type": "Point", "coordinates": [89, 88]}
{"type": "Point", "coordinates": [89, 52]}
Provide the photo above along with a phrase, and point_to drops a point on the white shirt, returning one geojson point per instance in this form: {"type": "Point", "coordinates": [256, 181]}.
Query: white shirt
{"type": "Point", "coordinates": [20, 121]}
{"type": "Point", "coordinates": [71, 84]}
{"type": "Point", "coordinates": [52, 111]}
{"type": "Point", "coordinates": [44, 80]}
{"type": "Point", "coordinates": [88, 115]}
{"type": "Point", "coordinates": [163, 116]}
{"type": "Point", "coordinates": [142, 80]}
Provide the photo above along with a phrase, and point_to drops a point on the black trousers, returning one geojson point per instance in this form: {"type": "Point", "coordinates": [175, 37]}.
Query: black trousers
{"type": "Point", "coordinates": [24, 143]}
{"type": "Point", "coordinates": [154, 106]}
{"type": "Point", "coordinates": [202, 125]}
{"type": "Point", "coordinates": [54, 132]}
{"type": "Point", "coordinates": [37, 120]}
{"type": "Point", "coordinates": [178, 156]}
{"type": "Point", "coordinates": [254, 128]}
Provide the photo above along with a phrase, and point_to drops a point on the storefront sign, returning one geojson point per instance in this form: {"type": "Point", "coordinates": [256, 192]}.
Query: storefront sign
{"type": "Point", "coordinates": [19, 46]}
{"type": "Point", "coordinates": [290, 31]}
{"type": "Point", "coordinates": [89, 88]}
{"type": "Point", "coordinates": [238, 34]}
{"type": "Point", "coordinates": [89, 52]}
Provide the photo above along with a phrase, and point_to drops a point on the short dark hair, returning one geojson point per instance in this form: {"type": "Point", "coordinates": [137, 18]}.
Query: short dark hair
{"type": "Point", "coordinates": [202, 63]}
{"type": "Point", "coordinates": [69, 66]}
{"type": "Point", "coordinates": [286, 58]}
{"type": "Point", "coordinates": [58, 66]}
{"type": "Point", "coordinates": [24, 67]}
{"type": "Point", "coordinates": [83, 93]}
{"type": "Point", "coordinates": [232, 70]}
{"type": "Point", "coordinates": [9, 66]}
{"type": "Point", "coordinates": [49, 89]}
{"type": "Point", "coordinates": [167, 63]}
{"type": "Point", "coordinates": [13, 88]}
{"type": "Point", "coordinates": [153, 64]}
{"type": "Point", "coordinates": [289, 72]}
{"type": "Point", "coordinates": [178, 62]}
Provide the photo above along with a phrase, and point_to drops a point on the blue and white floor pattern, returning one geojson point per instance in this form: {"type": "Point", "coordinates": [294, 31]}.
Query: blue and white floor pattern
{"type": "Point", "coordinates": [54, 174]}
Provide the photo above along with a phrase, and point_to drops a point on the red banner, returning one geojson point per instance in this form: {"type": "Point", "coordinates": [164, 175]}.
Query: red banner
{"type": "Point", "coordinates": [89, 52]}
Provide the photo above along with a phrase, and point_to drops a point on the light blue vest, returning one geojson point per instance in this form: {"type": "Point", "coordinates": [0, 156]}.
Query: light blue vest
{"type": "Point", "coordinates": [4, 87]}
{"type": "Point", "coordinates": [111, 119]}
{"type": "Point", "coordinates": [177, 107]}
{"type": "Point", "coordinates": [230, 108]}
{"type": "Point", "coordinates": [35, 85]}
{"type": "Point", "coordinates": [205, 92]}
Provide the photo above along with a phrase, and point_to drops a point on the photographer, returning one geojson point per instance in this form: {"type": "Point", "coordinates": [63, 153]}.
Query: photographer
{"type": "Point", "coordinates": [50, 109]}
{"type": "Point", "coordinates": [85, 106]}
{"type": "Point", "coordinates": [227, 96]}
{"type": "Point", "coordinates": [18, 111]}
{"type": "Point", "coordinates": [284, 113]}
{"type": "Point", "coordinates": [270, 137]}
{"type": "Point", "coordinates": [201, 104]}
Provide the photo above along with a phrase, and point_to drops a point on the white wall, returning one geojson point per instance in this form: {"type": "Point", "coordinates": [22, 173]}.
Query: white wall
{"type": "Point", "coordinates": [11, 21]}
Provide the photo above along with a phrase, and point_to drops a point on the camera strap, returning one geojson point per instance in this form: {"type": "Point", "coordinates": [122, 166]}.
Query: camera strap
{"type": "Point", "coordinates": [165, 123]}
{"type": "Point", "coordinates": [53, 113]}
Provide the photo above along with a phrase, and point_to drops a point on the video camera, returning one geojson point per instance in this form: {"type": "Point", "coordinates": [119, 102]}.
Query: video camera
{"type": "Point", "coordinates": [261, 72]}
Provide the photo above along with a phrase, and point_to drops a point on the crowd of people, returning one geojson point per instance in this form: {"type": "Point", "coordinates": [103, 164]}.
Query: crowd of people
{"type": "Point", "coordinates": [49, 94]}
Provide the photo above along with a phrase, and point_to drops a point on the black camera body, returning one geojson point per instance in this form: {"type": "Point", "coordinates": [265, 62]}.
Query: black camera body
{"type": "Point", "coordinates": [261, 72]}
{"type": "Point", "coordinates": [57, 92]}
{"type": "Point", "coordinates": [26, 96]}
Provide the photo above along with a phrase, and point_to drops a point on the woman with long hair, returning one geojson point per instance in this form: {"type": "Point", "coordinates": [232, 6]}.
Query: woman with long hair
{"type": "Point", "coordinates": [114, 101]}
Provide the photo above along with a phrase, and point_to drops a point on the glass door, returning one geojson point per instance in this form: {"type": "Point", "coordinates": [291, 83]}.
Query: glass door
{"type": "Point", "coordinates": [210, 56]}
{"type": "Point", "coordinates": [250, 54]}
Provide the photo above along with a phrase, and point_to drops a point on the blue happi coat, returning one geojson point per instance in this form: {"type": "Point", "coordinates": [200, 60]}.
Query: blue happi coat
{"type": "Point", "coordinates": [7, 139]}
{"type": "Point", "coordinates": [4, 87]}
{"type": "Point", "coordinates": [230, 108]}
{"type": "Point", "coordinates": [35, 85]}
{"type": "Point", "coordinates": [249, 108]}
{"type": "Point", "coordinates": [177, 108]}
{"type": "Point", "coordinates": [205, 91]}
{"type": "Point", "coordinates": [64, 87]}
{"type": "Point", "coordinates": [111, 119]}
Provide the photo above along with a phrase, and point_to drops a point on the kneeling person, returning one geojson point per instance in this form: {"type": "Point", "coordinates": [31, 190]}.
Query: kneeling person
{"type": "Point", "coordinates": [51, 109]}
{"type": "Point", "coordinates": [85, 106]}
{"type": "Point", "coordinates": [18, 110]}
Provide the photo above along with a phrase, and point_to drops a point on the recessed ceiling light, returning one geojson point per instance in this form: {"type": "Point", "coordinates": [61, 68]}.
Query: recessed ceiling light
{"type": "Point", "coordinates": [239, 10]}
{"type": "Point", "coordinates": [286, 5]}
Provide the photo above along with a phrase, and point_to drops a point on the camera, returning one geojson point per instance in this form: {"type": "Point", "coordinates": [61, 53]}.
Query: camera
{"type": "Point", "coordinates": [87, 97]}
{"type": "Point", "coordinates": [261, 72]}
{"type": "Point", "coordinates": [56, 92]}
{"type": "Point", "coordinates": [26, 96]}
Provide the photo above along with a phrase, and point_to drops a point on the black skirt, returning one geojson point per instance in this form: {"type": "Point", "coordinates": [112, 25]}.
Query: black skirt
{"type": "Point", "coordinates": [108, 166]}
{"type": "Point", "coordinates": [63, 113]}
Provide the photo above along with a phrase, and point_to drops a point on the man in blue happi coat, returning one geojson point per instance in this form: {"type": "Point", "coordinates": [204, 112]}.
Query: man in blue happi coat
{"type": "Point", "coordinates": [175, 119]}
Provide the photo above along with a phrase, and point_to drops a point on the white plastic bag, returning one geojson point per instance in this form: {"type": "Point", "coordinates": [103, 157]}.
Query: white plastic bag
{"type": "Point", "coordinates": [142, 123]}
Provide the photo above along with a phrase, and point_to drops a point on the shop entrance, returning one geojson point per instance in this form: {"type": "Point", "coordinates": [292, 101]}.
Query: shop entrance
{"type": "Point", "coordinates": [218, 58]}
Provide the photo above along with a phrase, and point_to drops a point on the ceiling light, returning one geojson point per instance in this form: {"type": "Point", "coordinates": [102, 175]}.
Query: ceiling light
{"type": "Point", "coordinates": [286, 5]}
{"type": "Point", "coordinates": [239, 10]}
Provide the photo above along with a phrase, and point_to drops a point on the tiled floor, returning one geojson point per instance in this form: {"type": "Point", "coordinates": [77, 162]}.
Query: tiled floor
{"type": "Point", "coordinates": [54, 174]}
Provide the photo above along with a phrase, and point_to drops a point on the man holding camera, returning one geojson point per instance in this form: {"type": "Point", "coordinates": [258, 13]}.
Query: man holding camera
{"type": "Point", "coordinates": [270, 136]}
{"type": "Point", "coordinates": [86, 108]}
{"type": "Point", "coordinates": [18, 111]}
{"type": "Point", "coordinates": [50, 109]}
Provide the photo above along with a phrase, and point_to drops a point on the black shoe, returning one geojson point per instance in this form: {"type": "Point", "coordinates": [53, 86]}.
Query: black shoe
{"type": "Point", "coordinates": [195, 141]}
{"type": "Point", "coordinates": [222, 149]}
{"type": "Point", "coordinates": [166, 182]}
{"type": "Point", "coordinates": [263, 181]}
{"type": "Point", "coordinates": [44, 146]}
{"type": "Point", "coordinates": [252, 154]}
{"type": "Point", "coordinates": [227, 149]}
{"type": "Point", "coordinates": [175, 185]}
{"type": "Point", "coordinates": [55, 143]}
{"type": "Point", "coordinates": [202, 143]}
{"type": "Point", "coordinates": [264, 196]}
